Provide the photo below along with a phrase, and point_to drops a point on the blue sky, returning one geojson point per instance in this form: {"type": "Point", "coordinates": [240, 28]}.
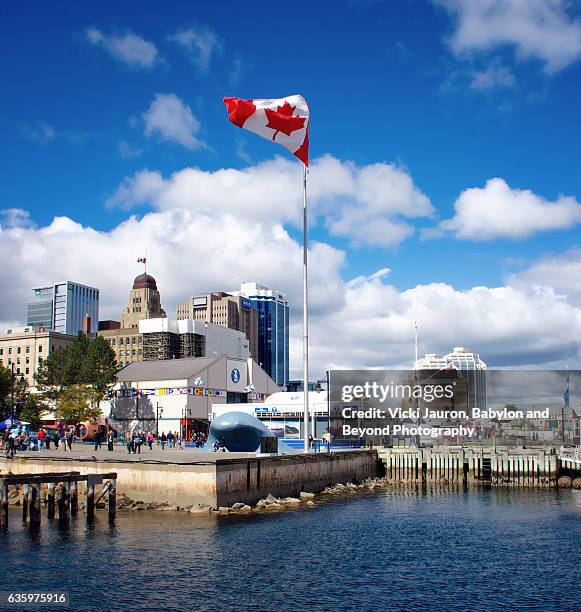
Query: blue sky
{"type": "Point", "coordinates": [406, 84]}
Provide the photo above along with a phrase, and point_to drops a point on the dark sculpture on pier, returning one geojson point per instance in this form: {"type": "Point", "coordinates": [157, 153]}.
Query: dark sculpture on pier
{"type": "Point", "coordinates": [239, 432]}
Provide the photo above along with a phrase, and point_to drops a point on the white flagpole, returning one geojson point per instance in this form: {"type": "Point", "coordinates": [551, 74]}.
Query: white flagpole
{"type": "Point", "coordinates": [305, 317]}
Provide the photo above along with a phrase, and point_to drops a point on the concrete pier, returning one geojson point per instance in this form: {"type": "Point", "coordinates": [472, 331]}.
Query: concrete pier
{"type": "Point", "coordinates": [511, 467]}
{"type": "Point", "coordinates": [214, 479]}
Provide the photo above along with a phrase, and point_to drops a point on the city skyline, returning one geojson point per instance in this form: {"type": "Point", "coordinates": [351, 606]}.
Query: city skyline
{"type": "Point", "coordinates": [433, 196]}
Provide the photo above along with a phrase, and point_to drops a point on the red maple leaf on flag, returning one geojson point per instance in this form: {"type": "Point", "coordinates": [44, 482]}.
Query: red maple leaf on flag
{"type": "Point", "coordinates": [282, 120]}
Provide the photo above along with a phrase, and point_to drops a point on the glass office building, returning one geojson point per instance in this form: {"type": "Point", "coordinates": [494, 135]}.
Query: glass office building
{"type": "Point", "coordinates": [63, 307]}
{"type": "Point", "coordinates": [273, 329]}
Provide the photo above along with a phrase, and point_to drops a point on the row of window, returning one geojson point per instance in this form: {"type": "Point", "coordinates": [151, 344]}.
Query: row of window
{"type": "Point", "coordinates": [18, 350]}
{"type": "Point", "coordinates": [128, 352]}
{"type": "Point", "coordinates": [131, 340]}
{"type": "Point", "coordinates": [17, 369]}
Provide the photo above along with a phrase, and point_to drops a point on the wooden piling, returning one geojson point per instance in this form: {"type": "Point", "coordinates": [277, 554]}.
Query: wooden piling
{"type": "Point", "coordinates": [112, 498]}
{"type": "Point", "coordinates": [25, 496]}
{"type": "Point", "coordinates": [33, 514]}
{"type": "Point", "coordinates": [3, 504]}
{"type": "Point", "coordinates": [74, 497]}
{"type": "Point", "coordinates": [90, 499]}
{"type": "Point", "coordinates": [50, 500]}
{"type": "Point", "coordinates": [62, 501]}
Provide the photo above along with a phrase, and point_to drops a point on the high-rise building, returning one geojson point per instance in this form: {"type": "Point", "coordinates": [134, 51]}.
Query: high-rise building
{"type": "Point", "coordinates": [233, 311]}
{"type": "Point", "coordinates": [273, 329]}
{"type": "Point", "coordinates": [466, 362]}
{"type": "Point", "coordinates": [64, 307]}
{"type": "Point", "coordinates": [144, 303]}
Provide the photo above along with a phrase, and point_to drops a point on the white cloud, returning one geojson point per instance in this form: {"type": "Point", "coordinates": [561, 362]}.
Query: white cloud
{"type": "Point", "coordinates": [130, 48]}
{"type": "Point", "coordinates": [15, 218]}
{"type": "Point", "coordinates": [498, 211]}
{"type": "Point", "coordinates": [491, 77]}
{"type": "Point", "coordinates": [172, 120]}
{"type": "Point", "coordinates": [41, 132]}
{"type": "Point", "coordinates": [539, 29]}
{"type": "Point", "coordinates": [367, 204]}
{"type": "Point", "coordinates": [126, 151]}
{"type": "Point", "coordinates": [200, 43]}
{"type": "Point", "coordinates": [365, 322]}
{"type": "Point", "coordinates": [561, 272]}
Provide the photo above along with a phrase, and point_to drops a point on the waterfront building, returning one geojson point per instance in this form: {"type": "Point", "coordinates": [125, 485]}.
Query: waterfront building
{"type": "Point", "coordinates": [273, 329]}
{"type": "Point", "coordinates": [178, 394]}
{"type": "Point", "coordinates": [232, 311]}
{"type": "Point", "coordinates": [64, 307]}
{"type": "Point", "coordinates": [124, 337]}
{"type": "Point", "coordinates": [26, 348]}
{"type": "Point", "coordinates": [165, 339]}
{"type": "Point", "coordinates": [470, 367]}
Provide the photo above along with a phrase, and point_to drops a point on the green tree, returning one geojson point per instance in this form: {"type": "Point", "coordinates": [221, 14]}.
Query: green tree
{"type": "Point", "coordinates": [5, 388]}
{"type": "Point", "coordinates": [31, 410]}
{"type": "Point", "coordinates": [78, 403]}
{"type": "Point", "coordinates": [82, 362]}
{"type": "Point", "coordinates": [27, 406]}
{"type": "Point", "coordinates": [81, 365]}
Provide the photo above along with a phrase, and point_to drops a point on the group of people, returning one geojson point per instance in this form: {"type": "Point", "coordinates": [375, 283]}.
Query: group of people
{"type": "Point", "coordinates": [19, 439]}
{"type": "Point", "coordinates": [134, 441]}
{"type": "Point", "coordinates": [173, 439]}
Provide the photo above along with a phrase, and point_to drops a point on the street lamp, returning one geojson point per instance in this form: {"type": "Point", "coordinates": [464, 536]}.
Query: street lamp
{"type": "Point", "coordinates": [318, 389]}
{"type": "Point", "coordinates": [12, 397]}
{"type": "Point", "coordinates": [158, 415]}
{"type": "Point", "coordinates": [186, 412]}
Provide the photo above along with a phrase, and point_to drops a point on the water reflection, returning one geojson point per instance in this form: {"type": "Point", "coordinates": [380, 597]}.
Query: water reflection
{"type": "Point", "coordinates": [406, 547]}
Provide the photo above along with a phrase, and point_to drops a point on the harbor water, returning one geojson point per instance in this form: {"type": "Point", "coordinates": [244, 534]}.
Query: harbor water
{"type": "Point", "coordinates": [398, 548]}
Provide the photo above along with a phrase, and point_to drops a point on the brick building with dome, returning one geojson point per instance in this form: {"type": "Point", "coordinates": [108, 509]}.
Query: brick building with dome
{"type": "Point", "coordinates": [124, 337]}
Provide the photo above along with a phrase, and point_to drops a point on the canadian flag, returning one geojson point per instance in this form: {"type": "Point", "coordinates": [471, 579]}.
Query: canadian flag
{"type": "Point", "coordinates": [282, 120]}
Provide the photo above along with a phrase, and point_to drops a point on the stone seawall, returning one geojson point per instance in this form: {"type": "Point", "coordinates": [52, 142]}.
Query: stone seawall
{"type": "Point", "coordinates": [213, 481]}
{"type": "Point", "coordinates": [249, 480]}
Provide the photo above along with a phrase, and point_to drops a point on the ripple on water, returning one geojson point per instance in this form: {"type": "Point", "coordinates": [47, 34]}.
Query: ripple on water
{"type": "Point", "coordinates": [395, 549]}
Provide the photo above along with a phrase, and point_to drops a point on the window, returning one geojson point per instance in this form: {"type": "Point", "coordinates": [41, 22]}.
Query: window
{"type": "Point", "coordinates": [28, 349]}
{"type": "Point", "coordinates": [112, 341]}
{"type": "Point", "coordinates": [40, 349]}
{"type": "Point", "coordinates": [10, 351]}
{"type": "Point", "coordinates": [28, 370]}
{"type": "Point", "coordinates": [120, 340]}
{"type": "Point", "coordinates": [1, 351]}
{"type": "Point", "coordinates": [28, 360]}
{"type": "Point", "coordinates": [18, 350]}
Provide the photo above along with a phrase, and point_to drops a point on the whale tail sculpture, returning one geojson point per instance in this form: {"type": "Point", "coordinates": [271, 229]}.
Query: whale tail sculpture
{"type": "Point", "coordinates": [240, 433]}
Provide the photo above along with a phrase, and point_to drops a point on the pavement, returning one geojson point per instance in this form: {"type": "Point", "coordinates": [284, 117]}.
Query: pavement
{"type": "Point", "coordinates": [119, 453]}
